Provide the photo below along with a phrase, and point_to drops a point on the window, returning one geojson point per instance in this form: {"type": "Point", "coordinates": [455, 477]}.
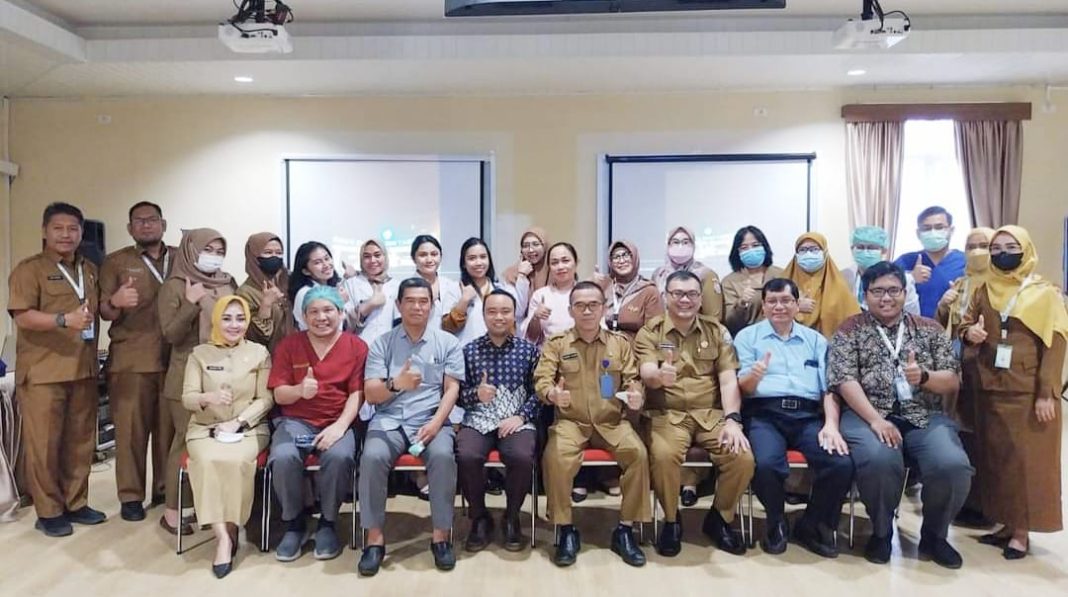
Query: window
{"type": "Point", "coordinates": [930, 175]}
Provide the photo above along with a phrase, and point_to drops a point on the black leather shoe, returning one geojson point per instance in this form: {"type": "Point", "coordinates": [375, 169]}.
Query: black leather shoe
{"type": "Point", "coordinates": [132, 511]}
{"type": "Point", "coordinates": [55, 526]}
{"type": "Point", "coordinates": [624, 545]}
{"type": "Point", "coordinates": [774, 541]}
{"type": "Point", "coordinates": [513, 534]}
{"type": "Point", "coordinates": [817, 538]}
{"type": "Point", "coordinates": [221, 570]}
{"type": "Point", "coordinates": [1011, 553]}
{"type": "Point", "coordinates": [371, 560]}
{"type": "Point", "coordinates": [877, 551]}
{"type": "Point", "coordinates": [669, 543]}
{"type": "Point", "coordinates": [568, 546]}
{"type": "Point", "coordinates": [688, 497]}
{"type": "Point", "coordinates": [479, 536]}
{"type": "Point", "coordinates": [940, 552]}
{"type": "Point", "coordinates": [494, 482]}
{"type": "Point", "coordinates": [444, 559]}
{"type": "Point", "coordinates": [578, 497]}
{"type": "Point", "coordinates": [720, 533]}
{"type": "Point", "coordinates": [994, 539]}
{"type": "Point", "coordinates": [86, 515]}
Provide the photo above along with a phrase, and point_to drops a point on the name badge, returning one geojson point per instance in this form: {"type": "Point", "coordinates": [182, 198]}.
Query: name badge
{"type": "Point", "coordinates": [89, 333]}
{"type": "Point", "coordinates": [902, 387]}
{"type": "Point", "coordinates": [55, 278]}
{"type": "Point", "coordinates": [216, 368]}
{"type": "Point", "coordinates": [568, 356]}
{"type": "Point", "coordinates": [957, 348]}
{"type": "Point", "coordinates": [1003, 356]}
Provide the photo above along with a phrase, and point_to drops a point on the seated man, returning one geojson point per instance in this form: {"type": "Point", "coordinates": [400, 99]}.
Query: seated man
{"type": "Point", "coordinates": [892, 369]}
{"type": "Point", "coordinates": [688, 365]}
{"type": "Point", "coordinates": [582, 372]}
{"type": "Point", "coordinates": [413, 380]}
{"type": "Point", "coordinates": [500, 409]}
{"type": "Point", "coordinates": [317, 378]}
{"type": "Point", "coordinates": [783, 376]}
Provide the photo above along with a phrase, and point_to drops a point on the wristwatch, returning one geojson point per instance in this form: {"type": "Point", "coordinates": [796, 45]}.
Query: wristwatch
{"type": "Point", "coordinates": [61, 320]}
{"type": "Point", "coordinates": [737, 418]}
{"type": "Point", "coordinates": [924, 376]}
{"type": "Point", "coordinates": [390, 386]}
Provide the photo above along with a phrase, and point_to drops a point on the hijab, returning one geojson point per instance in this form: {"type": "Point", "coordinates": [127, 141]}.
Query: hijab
{"type": "Point", "coordinates": [1040, 305]}
{"type": "Point", "coordinates": [217, 337]}
{"type": "Point", "coordinates": [699, 269]}
{"type": "Point", "coordinates": [253, 248]}
{"type": "Point", "coordinates": [384, 276]}
{"type": "Point", "coordinates": [834, 300]}
{"type": "Point", "coordinates": [217, 284]}
{"type": "Point", "coordinates": [540, 276]}
{"type": "Point", "coordinates": [632, 284]}
{"type": "Point", "coordinates": [975, 275]}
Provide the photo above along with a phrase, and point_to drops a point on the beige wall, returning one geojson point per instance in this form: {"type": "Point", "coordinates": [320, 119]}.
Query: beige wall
{"type": "Point", "coordinates": [215, 161]}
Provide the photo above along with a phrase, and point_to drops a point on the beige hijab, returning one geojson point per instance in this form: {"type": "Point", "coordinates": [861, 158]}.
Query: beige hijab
{"type": "Point", "coordinates": [384, 276]}
{"type": "Point", "coordinates": [540, 276]}
{"type": "Point", "coordinates": [217, 284]}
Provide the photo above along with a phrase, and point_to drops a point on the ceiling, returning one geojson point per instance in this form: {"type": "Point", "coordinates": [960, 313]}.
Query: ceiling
{"type": "Point", "coordinates": [77, 48]}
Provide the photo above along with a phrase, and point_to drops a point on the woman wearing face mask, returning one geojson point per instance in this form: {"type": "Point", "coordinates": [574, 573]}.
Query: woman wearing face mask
{"type": "Point", "coordinates": [1015, 329]}
{"type": "Point", "coordinates": [680, 256]}
{"type": "Point", "coordinates": [826, 300]}
{"type": "Point", "coordinates": [869, 245]}
{"type": "Point", "coordinates": [548, 313]}
{"type": "Point", "coordinates": [312, 266]}
{"type": "Point", "coordinates": [531, 272]}
{"type": "Point", "coordinates": [632, 300]}
{"type": "Point", "coordinates": [463, 305]}
{"type": "Point", "coordinates": [751, 260]}
{"type": "Point", "coordinates": [954, 303]}
{"type": "Point", "coordinates": [265, 289]}
{"type": "Point", "coordinates": [225, 389]}
{"type": "Point", "coordinates": [185, 304]}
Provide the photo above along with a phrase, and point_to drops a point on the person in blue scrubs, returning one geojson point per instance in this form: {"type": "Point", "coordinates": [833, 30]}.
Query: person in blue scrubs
{"type": "Point", "coordinates": [935, 267]}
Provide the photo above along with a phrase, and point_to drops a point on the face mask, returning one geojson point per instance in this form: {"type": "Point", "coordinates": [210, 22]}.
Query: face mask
{"type": "Point", "coordinates": [270, 265]}
{"type": "Point", "coordinates": [680, 254]}
{"type": "Point", "coordinates": [753, 257]}
{"type": "Point", "coordinates": [978, 260]}
{"type": "Point", "coordinates": [1007, 262]}
{"type": "Point", "coordinates": [934, 240]}
{"type": "Point", "coordinates": [209, 264]}
{"type": "Point", "coordinates": [866, 258]}
{"type": "Point", "coordinates": [810, 262]}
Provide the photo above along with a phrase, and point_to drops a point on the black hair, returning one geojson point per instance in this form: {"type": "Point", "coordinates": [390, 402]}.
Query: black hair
{"type": "Point", "coordinates": [779, 285]}
{"type": "Point", "coordinates": [681, 274]}
{"type": "Point", "coordinates": [934, 210]}
{"type": "Point", "coordinates": [141, 204]}
{"type": "Point", "coordinates": [585, 285]}
{"type": "Point", "coordinates": [570, 249]}
{"type": "Point", "coordinates": [883, 268]}
{"type": "Point", "coordinates": [297, 278]}
{"type": "Point", "coordinates": [59, 208]}
{"type": "Point", "coordinates": [425, 238]}
{"type": "Point", "coordinates": [465, 278]}
{"type": "Point", "coordinates": [500, 292]}
{"type": "Point", "coordinates": [414, 282]}
{"type": "Point", "coordinates": [736, 259]}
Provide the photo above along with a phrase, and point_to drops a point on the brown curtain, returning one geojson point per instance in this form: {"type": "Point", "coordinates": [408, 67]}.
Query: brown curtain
{"type": "Point", "coordinates": [874, 153]}
{"type": "Point", "coordinates": [991, 158]}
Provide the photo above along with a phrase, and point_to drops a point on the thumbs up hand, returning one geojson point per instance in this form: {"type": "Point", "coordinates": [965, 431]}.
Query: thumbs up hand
{"type": "Point", "coordinates": [760, 368]}
{"type": "Point", "coordinates": [560, 395]}
{"type": "Point", "coordinates": [309, 387]}
{"type": "Point", "coordinates": [913, 371]}
{"type": "Point", "coordinates": [600, 279]}
{"type": "Point", "coordinates": [408, 379]}
{"type": "Point", "coordinates": [976, 333]}
{"type": "Point", "coordinates": [668, 373]}
{"type": "Point", "coordinates": [486, 392]}
{"type": "Point", "coordinates": [806, 304]}
{"type": "Point", "coordinates": [194, 292]}
{"type": "Point", "coordinates": [634, 395]}
{"type": "Point", "coordinates": [524, 268]}
{"type": "Point", "coordinates": [126, 296]}
{"type": "Point", "coordinates": [920, 272]}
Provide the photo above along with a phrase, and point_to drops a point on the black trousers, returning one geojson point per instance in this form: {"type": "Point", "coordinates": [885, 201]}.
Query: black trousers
{"type": "Point", "coordinates": [517, 454]}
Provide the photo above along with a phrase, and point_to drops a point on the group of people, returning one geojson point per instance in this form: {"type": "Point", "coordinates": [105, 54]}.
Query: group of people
{"type": "Point", "coordinates": [944, 362]}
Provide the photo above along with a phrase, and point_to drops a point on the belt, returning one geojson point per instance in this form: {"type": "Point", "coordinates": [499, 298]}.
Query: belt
{"type": "Point", "coordinates": [792, 404]}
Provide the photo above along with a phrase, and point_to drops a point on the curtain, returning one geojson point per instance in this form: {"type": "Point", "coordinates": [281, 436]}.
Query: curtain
{"type": "Point", "coordinates": [991, 159]}
{"type": "Point", "coordinates": [874, 153]}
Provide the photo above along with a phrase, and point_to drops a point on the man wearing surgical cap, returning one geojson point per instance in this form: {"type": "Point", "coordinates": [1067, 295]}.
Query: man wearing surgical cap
{"type": "Point", "coordinates": [317, 379]}
{"type": "Point", "coordinates": [870, 245]}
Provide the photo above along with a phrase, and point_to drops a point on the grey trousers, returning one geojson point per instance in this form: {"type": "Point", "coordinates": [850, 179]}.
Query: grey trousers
{"type": "Point", "coordinates": [333, 481]}
{"type": "Point", "coordinates": [935, 450]}
{"type": "Point", "coordinates": [381, 449]}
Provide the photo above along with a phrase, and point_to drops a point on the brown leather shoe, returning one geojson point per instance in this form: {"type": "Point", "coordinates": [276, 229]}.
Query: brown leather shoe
{"type": "Point", "coordinates": [186, 529]}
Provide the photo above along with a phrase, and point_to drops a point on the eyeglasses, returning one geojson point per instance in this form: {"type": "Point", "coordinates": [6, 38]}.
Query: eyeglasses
{"type": "Point", "coordinates": [678, 295]}
{"type": "Point", "coordinates": [808, 249]}
{"type": "Point", "coordinates": [621, 257]}
{"type": "Point", "coordinates": [892, 292]}
{"type": "Point", "coordinates": [589, 307]}
{"type": "Point", "coordinates": [152, 221]}
{"type": "Point", "coordinates": [531, 245]}
{"type": "Point", "coordinates": [786, 302]}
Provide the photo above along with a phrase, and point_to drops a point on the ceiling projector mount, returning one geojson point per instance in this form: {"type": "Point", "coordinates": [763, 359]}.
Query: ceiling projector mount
{"type": "Point", "coordinates": [255, 29]}
{"type": "Point", "coordinates": [875, 30]}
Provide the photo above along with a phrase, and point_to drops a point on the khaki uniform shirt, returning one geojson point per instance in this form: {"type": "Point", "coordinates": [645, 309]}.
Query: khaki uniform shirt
{"type": "Point", "coordinates": [245, 369]}
{"type": "Point", "coordinates": [736, 315]}
{"type": "Point", "coordinates": [136, 339]}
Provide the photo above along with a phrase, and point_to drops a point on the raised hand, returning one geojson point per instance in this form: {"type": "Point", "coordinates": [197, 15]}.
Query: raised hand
{"type": "Point", "coordinates": [543, 312]}
{"type": "Point", "coordinates": [194, 292]}
{"type": "Point", "coordinates": [126, 296]}
{"type": "Point", "coordinates": [271, 294]}
{"type": "Point", "coordinates": [913, 372]}
{"type": "Point", "coordinates": [80, 318]}
{"type": "Point", "coordinates": [634, 395]}
{"type": "Point", "coordinates": [748, 295]}
{"type": "Point", "coordinates": [524, 268]}
{"type": "Point", "coordinates": [560, 395]}
{"type": "Point", "coordinates": [309, 387]}
{"type": "Point", "coordinates": [920, 272]}
{"type": "Point", "coordinates": [408, 379]}
{"type": "Point", "coordinates": [806, 304]}
{"type": "Point", "coordinates": [602, 280]}
{"type": "Point", "coordinates": [976, 333]}
{"type": "Point", "coordinates": [760, 368]}
{"type": "Point", "coordinates": [668, 372]}
{"type": "Point", "coordinates": [486, 392]}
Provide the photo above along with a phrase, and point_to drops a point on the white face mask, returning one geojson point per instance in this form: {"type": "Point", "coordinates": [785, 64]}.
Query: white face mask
{"type": "Point", "coordinates": [209, 263]}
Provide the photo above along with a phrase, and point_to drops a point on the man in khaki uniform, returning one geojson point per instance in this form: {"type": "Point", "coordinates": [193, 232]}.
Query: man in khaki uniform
{"type": "Point", "coordinates": [53, 300]}
{"type": "Point", "coordinates": [129, 281]}
{"type": "Point", "coordinates": [688, 365]}
{"type": "Point", "coordinates": [589, 413]}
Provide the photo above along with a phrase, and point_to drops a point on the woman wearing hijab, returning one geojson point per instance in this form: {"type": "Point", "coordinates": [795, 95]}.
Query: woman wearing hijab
{"type": "Point", "coordinates": [313, 265]}
{"type": "Point", "coordinates": [751, 260]}
{"type": "Point", "coordinates": [531, 272]}
{"type": "Point", "coordinates": [826, 300]}
{"type": "Point", "coordinates": [266, 289]}
{"type": "Point", "coordinates": [680, 256]}
{"type": "Point", "coordinates": [185, 303]}
{"type": "Point", "coordinates": [631, 299]}
{"type": "Point", "coordinates": [226, 391]}
{"type": "Point", "coordinates": [1015, 329]}
{"type": "Point", "coordinates": [369, 310]}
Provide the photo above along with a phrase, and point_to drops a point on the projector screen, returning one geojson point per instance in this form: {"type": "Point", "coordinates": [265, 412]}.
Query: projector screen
{"type": "Point", "coordinates": [712, 195]}
{"type": "Point", "coordinates": [344, 202]}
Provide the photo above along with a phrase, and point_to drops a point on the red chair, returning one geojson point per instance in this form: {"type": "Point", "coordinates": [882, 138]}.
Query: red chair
{"type": "Point", "coordinates": [697, 457]}
{"type": "Point", "coordinates": [261, 466]}
{"type": "Point", "coordinates": [493, 460]}
{"type": "Point", "coordinates": [311, 465]}
{"type": "Point", "coordinates": [598, 458]}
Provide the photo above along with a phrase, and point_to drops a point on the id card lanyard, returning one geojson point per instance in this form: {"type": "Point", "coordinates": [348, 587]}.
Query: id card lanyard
{"type": "Point", "coordinates": [1003, 355]}
{"type": "Point", "coordinates": [901, 385]}
{"type": "Point", "coordinates": [79, 291]}
{"type": "Point", "coordinates": [152, 268]}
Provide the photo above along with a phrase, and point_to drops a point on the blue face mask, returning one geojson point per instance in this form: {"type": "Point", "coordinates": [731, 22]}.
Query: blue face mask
{"type": "Point", "coordinates": [753, 257]}
{"type": "Point", "coordinates": [866, 258]}
{"type": "Point", "coordinates": [810, 261]}
{"type": "Point", "coordinates": [934, 240]}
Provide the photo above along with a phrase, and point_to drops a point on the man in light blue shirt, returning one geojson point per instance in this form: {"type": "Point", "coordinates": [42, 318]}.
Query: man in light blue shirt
{"type": "Point", "coordinates": [783, 372]}
{"type": "Point", "coordinates": [412, 377]}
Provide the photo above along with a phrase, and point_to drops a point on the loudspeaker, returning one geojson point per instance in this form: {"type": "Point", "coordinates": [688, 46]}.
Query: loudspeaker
{"type": "Point", "coordinates": [92, 247]}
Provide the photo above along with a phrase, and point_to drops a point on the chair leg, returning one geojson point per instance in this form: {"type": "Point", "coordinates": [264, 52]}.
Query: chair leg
{"type": "Point", "coordinates": [752, 537]}
{"type": "Point", "coordinates": [533, 505]}
{"type": "Point", "coordinates": [656, 520]}
{"type": "Point", "coordinates": [355, 498]}
{"type": "Point", "coordinates": [265, 510]}
{"type": "Point", "coordinates": [904, 486]}
{"type": "Point", "coordinates": [181, 479]}
{"type": "Point", "coordinates": [852, 512]}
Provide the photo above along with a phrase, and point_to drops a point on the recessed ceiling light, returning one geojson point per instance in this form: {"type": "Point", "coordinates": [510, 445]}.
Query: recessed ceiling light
{"type": "Point", "coordinates": [856, 72]}
{"type": "Point", "coordinates": [243, 79]}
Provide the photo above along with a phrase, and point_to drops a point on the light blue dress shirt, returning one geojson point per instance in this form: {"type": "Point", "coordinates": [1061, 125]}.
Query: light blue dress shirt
{"type": "Point", "coordinates": [798, 366]}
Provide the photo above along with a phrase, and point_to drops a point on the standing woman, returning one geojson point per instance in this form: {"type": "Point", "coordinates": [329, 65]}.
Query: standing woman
{"type": "Point", "coordinates": [185, 303]}
{"type": "Point", "coordinates": [226, 391]}
{"type": "Point", "coordinates": [1016, 329]}
{"type": "Point", "coordinates": [463, 316]}
{"type": "Point", "coordinates": [368, 311]}
{"type": "Point", "coordinates": [531, 272]}
{"type": "Point", "coordinates": [632, 300]}
{"type": "Point", "coordinates": [826, 300]}
{"type": "Point", "coordinates": [680, 256]}
{"type": "Point", "coordinates": [751, 262]}
{"type": "Point", "coordinates": [312, 266]}
{"type": "Point", "coordinates": [548, 313]}
{"type": "Point", "coordinates": [426, 254]}
{"type": "Point", "coordinates": [265, 289]}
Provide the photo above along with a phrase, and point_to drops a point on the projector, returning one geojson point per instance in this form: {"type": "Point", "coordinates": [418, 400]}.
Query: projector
{"type": "Point", "coordinates": [255, 38]}
{"type": "Point", "coordinates": [871, 34]}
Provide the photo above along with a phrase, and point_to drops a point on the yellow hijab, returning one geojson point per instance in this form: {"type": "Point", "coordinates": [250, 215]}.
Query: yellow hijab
{"type": "Point", "coordinates": [1040, 306]}
{"type": "Point", "coordinates": [834, 300]}
{"type": "Point", "coordinates": [216, 318]}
